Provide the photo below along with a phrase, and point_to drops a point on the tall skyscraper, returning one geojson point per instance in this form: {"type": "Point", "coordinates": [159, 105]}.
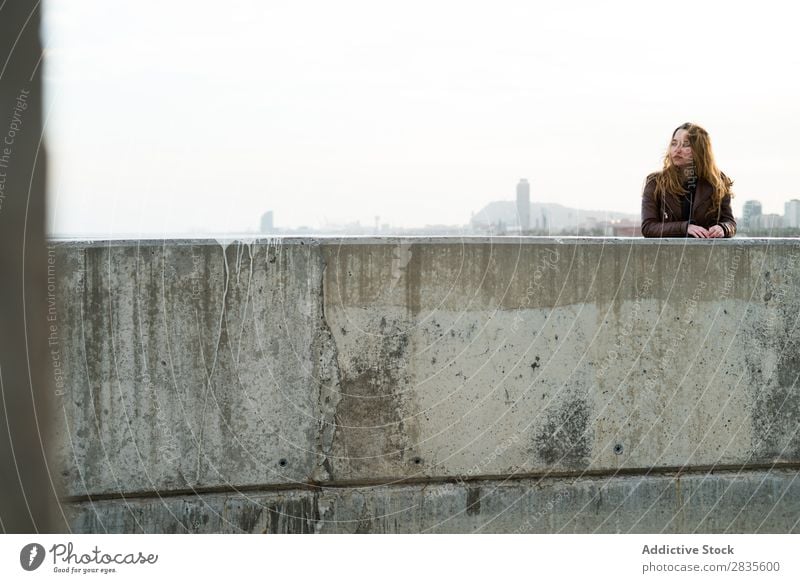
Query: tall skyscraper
{"type": "Point", "coordinates": [791, 213]}
{"type": "Point", "coordinates": [267, 222]}
{"type": "Point", "coordinates": [524, 204]}
{"type": "Point", "coordinates": [751, 213]}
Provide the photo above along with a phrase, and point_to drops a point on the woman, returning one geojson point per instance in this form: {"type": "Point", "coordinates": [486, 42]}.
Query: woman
{"type": "Point", "coordinates": [690, 197]}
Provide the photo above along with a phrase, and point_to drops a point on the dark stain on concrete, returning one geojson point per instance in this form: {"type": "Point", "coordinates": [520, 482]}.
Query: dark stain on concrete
{"type": "Point", "coordinates": [293, 516]}
{"type": "Point", "coordinates": [564, 437]}
{"type": "Point", "coordinates": [775, 419]}
{"type": "Point", "coordinates": [373, 429]}
{"type": "Point", "coordinates": [364, 525]}
{"type": "Point", "coordinates": [473, 501]}
{"type": "Point", "coordinates": [530, 275]}
{"type": "Point", "coordinates": [413, 276]}
{"type": "Point", "coordinates": [191, 518]}
{"type": "Point", "coordinates": [788, 368]}
{"type": "Point", "coordinates": [94, 339]}
{"type": "Point", "coordinates": [249, 516]}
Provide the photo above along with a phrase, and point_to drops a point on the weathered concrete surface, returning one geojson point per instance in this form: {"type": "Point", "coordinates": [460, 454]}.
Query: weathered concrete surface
{"type": "Point", "coordinates": [188, 368]}
{"type": "Point", "coordinates": [727, 502]}
{"type": "Point", "coordinates": [555, 354]}
{"type": "Point", "coordinates": [359, 361]}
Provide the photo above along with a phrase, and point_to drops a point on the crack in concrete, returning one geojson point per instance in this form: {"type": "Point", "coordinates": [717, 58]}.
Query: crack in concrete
{"type": "Point", "coordinates": [329, 386]}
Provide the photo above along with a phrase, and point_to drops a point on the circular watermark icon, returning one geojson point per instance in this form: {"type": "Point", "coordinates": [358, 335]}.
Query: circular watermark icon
{"type": "Point", "coordinates": [31, 556]}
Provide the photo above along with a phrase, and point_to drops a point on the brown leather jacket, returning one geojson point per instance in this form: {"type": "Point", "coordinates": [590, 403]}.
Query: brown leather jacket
{"type": "Point", "coordinates": [664, 220]}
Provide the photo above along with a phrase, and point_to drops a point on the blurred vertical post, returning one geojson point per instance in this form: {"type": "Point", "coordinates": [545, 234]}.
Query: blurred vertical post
{"type": "Point", "coordinates": [27, 497]}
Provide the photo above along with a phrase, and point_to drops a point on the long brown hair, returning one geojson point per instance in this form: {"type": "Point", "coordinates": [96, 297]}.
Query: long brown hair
{"type": "Point", "coordinates": [671, 178]}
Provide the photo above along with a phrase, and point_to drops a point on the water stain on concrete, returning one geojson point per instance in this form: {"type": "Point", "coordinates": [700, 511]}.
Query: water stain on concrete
{"type": "Point", "coordinates": [564, 437]}
{"type": "Point", "coordinates": [294, 515]}
{"type": "Point", "coordinates": [474, 501]}
{"type": "Point", "coordinates": [374, 433]}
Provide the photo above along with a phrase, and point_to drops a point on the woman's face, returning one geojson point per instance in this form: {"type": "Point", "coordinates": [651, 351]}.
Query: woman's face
{"type": "Point", "coordinates": [680, 151]}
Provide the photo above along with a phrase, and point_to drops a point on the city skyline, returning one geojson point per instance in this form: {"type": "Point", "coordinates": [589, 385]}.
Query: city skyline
{"type": "Point", "coordinates": [267, 222]}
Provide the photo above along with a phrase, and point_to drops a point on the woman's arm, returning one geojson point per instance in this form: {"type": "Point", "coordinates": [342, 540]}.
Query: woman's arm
{"type": "Point", "coordinates": [726, 220]}
{"type": "Point", "coordinates": [653, 223]}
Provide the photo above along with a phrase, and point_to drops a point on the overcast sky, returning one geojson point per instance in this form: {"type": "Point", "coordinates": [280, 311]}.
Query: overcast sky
{"type": "Point", "coordinates": [169, 116]}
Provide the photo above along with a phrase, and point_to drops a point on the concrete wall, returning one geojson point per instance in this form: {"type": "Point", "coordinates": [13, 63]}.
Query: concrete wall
{"type": "Point", "coordinates": [447, 385]}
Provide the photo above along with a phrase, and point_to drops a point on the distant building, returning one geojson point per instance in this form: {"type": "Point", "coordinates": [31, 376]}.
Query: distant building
{"type": "Point", "coordinates": [750, 214]}
{"type": "Point", "coordinates": [267, 225]}
{"type": "Point", "coordinates": [769, 222]}
{"type": "Point", "coordinates": [627, 229]}
{"type": "Point", "coordinates": [524, 204]}
{"type": "Point", "coordinates": [791, 213]}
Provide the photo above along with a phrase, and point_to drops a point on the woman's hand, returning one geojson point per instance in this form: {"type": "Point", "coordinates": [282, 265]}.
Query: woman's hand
{"type": "Point", "coordinates": [701, 233]}
{"type": "Point", "coordinates": [716, 231]}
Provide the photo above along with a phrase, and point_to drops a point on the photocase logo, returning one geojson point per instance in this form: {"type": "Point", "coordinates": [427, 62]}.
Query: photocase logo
{"type": "Point", "coordinates": [31, 556]}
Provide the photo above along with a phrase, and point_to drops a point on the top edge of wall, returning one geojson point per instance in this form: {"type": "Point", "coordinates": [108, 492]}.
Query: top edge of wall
{"type": "Point", "coordinates": [449, 240]}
